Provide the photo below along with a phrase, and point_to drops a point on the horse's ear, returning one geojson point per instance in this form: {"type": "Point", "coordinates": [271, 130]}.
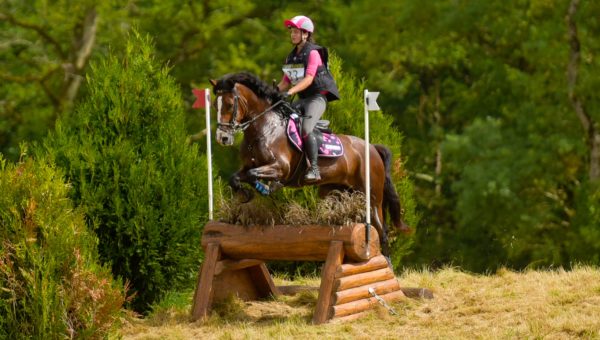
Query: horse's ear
{"type": "Point", "coordinates": [213, 82]}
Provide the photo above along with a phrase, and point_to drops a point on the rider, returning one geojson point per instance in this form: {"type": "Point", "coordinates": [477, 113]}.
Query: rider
{"type": "Point", "coordinates": [307, 74]}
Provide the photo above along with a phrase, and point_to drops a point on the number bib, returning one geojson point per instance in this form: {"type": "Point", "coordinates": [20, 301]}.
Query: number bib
{"type": "Point", "coordinates": [295, 72]}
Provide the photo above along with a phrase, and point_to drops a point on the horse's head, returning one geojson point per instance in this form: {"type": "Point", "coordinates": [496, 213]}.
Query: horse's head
{"type": "Point", "coordinates": [232, 107]}
{"type": "Point", "coordinates": [240, 99]}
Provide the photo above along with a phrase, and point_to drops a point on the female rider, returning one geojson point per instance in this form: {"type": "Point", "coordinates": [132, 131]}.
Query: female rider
{"type": "Point", "coordinates": [307, 74]}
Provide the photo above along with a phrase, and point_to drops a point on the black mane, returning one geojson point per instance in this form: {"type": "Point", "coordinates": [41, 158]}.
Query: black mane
{"type": "Point", "coordinates": [259, 87]}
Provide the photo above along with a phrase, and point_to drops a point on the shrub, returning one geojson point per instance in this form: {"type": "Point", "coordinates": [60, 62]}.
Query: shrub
{"type": "Point", "coordinates": [51, 285]}
{"type": "Point", "coordinates": [141, 186]}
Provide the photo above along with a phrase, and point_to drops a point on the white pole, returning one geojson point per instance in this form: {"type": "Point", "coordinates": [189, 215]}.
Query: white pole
{"type": "Point", "coordinates": [208, 153]}
{"type": "Point", "coordinates": [367, 175]}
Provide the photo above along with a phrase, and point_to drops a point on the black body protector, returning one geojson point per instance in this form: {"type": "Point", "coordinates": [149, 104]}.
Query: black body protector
{"type": "Point", "coordinates": [323, 83]}
{"type": "Point", "coordinates": [295, 68]}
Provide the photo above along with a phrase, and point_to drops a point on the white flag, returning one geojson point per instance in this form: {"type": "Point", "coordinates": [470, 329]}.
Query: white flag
{"type": "Point", "coordinates": [372, 101]}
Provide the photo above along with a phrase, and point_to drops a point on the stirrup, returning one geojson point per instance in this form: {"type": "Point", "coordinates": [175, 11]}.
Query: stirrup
{"type": "Point", "coordinates": [312, 175]}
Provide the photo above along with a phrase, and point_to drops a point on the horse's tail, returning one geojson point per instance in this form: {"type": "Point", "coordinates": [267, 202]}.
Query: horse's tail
{"type": "Point", "coordinates": [391, 200]}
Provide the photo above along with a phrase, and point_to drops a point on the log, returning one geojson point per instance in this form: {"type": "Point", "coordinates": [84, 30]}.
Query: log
{"type": "Point", "coordinates": [364, 304]}
{"type": "Point", "coordinates": [362, 292]}
{"type": "Point", "coordinates": [235, 265]}
{"type": "Point", "coordinates": [363, 279]}
{"type": "Point", "coordinates": [291, 243]}
{"type": "Point", "coordinates": [263, 281]}
{"type": "Point", "coordinates": [335, 256]}
{"type": "Point", "coordinates": [204, 289]}
{"type": "Point", "coordinates": [348, 269]}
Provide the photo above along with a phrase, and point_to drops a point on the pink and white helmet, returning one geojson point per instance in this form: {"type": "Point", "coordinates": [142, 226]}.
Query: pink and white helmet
{"type": "Point", "coordinates": [300, 22]}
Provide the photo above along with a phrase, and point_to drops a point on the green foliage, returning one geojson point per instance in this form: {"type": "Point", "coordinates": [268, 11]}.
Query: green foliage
{"type": "Point", "coordinates": [584, 244]}
{"type": "Point", "coordinates": [347, 116]}
{"type": "Point", "coordinates": [444, 69]}
{"type": "Point", "coordinates": [44, 55]}
{"type": "Point", "coordinates": [142, 188]}
{"type": "Point", "coordinates": [51, 285]}
{"type": "Point", "coordinates": [490, 134]}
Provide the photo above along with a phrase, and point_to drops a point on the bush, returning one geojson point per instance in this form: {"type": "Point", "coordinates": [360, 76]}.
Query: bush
{"type": "Point", "coordinates": [50, 283]}
{"type": "Point", "coordinates": [143, 189]}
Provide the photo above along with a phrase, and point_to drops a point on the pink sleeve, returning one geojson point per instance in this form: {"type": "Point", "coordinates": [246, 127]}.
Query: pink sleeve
{"type": "Point", "coordinates": [314, 61]}
{"type": "Point", "coordinates": [286, 79]}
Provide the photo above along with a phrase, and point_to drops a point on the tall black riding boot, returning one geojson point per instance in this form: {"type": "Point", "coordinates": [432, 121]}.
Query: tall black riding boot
{"type": "Point", "coordinates": [312, 153]}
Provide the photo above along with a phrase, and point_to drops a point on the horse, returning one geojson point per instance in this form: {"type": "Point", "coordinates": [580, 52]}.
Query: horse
{"type": "Point", "coordinates": [246, 103]}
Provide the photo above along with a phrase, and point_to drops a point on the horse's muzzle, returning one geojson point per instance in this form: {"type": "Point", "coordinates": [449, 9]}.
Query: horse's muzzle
{"type": "Point", "coordinates": [224, 137]}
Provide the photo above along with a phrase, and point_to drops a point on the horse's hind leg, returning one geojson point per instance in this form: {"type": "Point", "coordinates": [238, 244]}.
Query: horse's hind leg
{"type": "Point", "coordinates": [382, 230]}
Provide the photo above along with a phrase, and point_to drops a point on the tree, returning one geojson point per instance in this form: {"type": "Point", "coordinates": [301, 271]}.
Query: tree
{"type": "Point", "coordinates": [51, 285]}
{"type": "Point", "coordinates": [45, 49]}
{"type": "Point", "coordinates": [140, 185]}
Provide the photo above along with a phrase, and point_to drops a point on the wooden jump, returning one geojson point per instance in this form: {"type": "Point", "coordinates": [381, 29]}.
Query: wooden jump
{"type": "Point", "coordinates": [234, 264]}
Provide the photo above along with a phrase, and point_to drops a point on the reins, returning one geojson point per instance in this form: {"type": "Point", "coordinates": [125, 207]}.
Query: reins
{"type": "Point", "coordinates": [245, 125]}
{"type": "Point", "coordinates": [234, 126]}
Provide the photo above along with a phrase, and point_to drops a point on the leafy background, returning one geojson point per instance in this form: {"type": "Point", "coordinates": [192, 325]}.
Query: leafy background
{"type": "Point", "coordinates": [490, 107]}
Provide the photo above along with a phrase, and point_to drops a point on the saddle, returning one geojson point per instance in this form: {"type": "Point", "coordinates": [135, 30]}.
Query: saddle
{"type": "Point", "coordinates": [329, 144]}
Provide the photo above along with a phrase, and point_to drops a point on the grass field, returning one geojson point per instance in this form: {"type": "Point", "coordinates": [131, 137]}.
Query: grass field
{"type": "Point", "coordinates": [554, 304]}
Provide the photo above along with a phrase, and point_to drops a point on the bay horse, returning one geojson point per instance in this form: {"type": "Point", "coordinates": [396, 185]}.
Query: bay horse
{"type": "Point", "coordinates": [246, 103]}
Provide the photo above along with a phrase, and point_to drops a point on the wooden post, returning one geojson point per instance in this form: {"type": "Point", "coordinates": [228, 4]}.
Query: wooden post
{"type": "Point", "coordinates": [204, 288]}
{"type": "Point", "coordinates": [263, 281]}
{"type": "Point", "coordinates": [335, 257]}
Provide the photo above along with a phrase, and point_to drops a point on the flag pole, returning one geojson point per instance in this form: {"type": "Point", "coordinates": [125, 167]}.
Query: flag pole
{"type": "Point", "coordinates": [208, 153]}
{"type": "Point", "coordinates": [367, 176]}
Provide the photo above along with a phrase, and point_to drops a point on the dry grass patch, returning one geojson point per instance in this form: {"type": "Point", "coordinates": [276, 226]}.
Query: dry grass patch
{"type": "Point", "coordinates": [338, 208]}
{"type": "Point", "coordinates": [553, 304]}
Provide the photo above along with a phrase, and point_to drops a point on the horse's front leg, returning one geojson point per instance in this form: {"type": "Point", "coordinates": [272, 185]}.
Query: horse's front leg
{"type": "Point", "coordinates": [270, 172]}
{"type": "Point", "coordinates": [235, 182]}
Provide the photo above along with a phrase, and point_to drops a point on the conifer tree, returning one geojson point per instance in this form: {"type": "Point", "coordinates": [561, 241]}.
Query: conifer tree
{"type": "Point", "coordinates": [141, 186]}
{"type": "Point", "coordinates": [51, 285]}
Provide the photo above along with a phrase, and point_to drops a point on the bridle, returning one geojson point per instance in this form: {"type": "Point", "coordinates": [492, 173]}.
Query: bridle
{"type": "Point", "coordinates": [234, 126]}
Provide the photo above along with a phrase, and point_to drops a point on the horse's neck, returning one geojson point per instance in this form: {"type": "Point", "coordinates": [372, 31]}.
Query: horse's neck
{"type": "Point", "coordinates": [265, 122]}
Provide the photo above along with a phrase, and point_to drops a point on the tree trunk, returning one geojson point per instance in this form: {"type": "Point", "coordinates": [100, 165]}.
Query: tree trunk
{"type": "Point", "coordinates": [590, 127]}
{"type": "Point", "coordinates": [437, 118]}
{"type": "Point", "coordinates": [83, 50]}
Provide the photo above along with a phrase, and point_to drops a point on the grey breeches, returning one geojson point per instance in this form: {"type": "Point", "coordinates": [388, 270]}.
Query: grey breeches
{"type": "Point", "coordinates": [314, 107]}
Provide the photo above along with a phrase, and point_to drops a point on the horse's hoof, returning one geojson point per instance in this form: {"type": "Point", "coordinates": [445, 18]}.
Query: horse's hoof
{"type": "Point", "coordinates": [276, 186]}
